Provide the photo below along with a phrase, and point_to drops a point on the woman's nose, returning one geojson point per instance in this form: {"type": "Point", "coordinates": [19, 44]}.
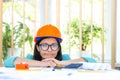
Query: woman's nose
{"type": "Point", "coordinates": [49, 48]}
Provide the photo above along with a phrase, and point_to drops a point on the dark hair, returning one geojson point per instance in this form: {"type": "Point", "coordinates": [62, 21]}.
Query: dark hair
{"type": "Point", "coordinates": [37, 55]}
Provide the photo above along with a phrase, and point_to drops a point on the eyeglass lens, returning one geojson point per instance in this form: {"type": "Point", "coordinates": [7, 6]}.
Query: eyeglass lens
{"type": "Point", "coordinates": [45, 46]}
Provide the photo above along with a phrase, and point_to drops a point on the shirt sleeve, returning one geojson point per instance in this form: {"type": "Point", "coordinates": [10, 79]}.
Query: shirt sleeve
{"type": "Point", "coordinates": [88, 59]}
{"type": "Point", "coordinates": [9, 62]}
{"type": "Point", "coordinates": [66, 57]}
{"type": "Point", "coordinates": [29, 56]}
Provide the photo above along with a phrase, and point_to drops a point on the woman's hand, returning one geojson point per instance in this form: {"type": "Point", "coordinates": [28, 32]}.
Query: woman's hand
{"type": "Point", "coordinates": [47, 63]}
{"type": "Point", "coordinates": [56, 62]}
{"type": "Point", "coordinates": [63, 63]}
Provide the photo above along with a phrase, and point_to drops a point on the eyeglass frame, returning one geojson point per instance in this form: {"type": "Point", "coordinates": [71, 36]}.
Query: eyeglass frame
{"type": "Point", "coordinates": [49, 46]}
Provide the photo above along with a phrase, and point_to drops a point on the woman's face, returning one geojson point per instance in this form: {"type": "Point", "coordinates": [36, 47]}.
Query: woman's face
{"type": "Point", "coordinates": [48, 48]}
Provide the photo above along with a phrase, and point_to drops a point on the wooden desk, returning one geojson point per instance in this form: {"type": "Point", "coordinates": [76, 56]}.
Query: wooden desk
{"type": "Point", "coordinates": [64, 74]}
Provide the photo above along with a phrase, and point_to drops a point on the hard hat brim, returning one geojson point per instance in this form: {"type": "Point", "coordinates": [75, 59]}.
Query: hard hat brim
{"type": "Point", "coordinates": [40, 38]}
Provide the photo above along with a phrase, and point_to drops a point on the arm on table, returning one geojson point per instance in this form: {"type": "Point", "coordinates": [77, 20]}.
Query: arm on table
{"type": "Point", "coordinates": [11, 61]}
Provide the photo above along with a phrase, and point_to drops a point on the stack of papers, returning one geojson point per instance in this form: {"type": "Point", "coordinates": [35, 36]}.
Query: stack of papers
{"type": "Point", "coordinates": [96, 66]}
{"type": "Point", "coordinates": [87, 66]}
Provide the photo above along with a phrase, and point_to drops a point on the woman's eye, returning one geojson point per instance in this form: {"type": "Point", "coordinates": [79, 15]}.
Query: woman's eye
{"type": "Point", "coordinates": [54, 45]}
{"type": "Point", "coordinates": [45, 45]}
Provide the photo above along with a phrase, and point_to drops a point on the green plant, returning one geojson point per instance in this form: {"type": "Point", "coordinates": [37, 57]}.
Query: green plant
{"type": "Point", "coordinates": [6, 38]}
{"type": "Point", "coordinates": [17, 36]}
{"type": "Point", "coordinates": [73, 31]}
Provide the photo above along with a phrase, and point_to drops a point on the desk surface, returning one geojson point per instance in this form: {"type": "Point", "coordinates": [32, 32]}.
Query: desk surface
{"type": "Point", "coordinates": [63, 74]}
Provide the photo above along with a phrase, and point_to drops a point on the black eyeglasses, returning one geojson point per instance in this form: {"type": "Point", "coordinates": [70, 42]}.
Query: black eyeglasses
{"type": "Point", "coordinates": [45, 46]}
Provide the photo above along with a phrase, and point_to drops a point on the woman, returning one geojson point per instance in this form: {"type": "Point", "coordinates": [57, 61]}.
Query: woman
{"type": "Point", "coordinates": [47, 51]}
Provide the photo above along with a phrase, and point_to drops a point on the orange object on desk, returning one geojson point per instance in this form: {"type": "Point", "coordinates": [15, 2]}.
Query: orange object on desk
{"type": "Point", "coordinates": [21, 66]}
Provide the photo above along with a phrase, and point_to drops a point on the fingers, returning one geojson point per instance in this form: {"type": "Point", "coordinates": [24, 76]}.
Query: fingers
{"type": "Point", "coordinates": [48, 59]}
{"type": "Point", "coordinates": [52, 62]}
{"type": "Point", "coordinates": [49, 63]}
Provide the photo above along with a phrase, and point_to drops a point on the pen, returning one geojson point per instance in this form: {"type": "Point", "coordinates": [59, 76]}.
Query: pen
{"type": "Point", "coordinates": [53, 69]}
{"type": "Point", "coordinates": [58, 66]}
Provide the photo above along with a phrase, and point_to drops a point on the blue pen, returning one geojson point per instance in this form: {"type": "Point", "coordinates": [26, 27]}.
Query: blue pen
{"type": "Point", "coordinates": [53, 69]}
{"type": "Point", "coordinates": [56, 67]}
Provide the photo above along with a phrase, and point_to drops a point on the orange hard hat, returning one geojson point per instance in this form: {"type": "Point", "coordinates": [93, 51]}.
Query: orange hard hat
{"type": "Point", "coordinates": [48, 31]}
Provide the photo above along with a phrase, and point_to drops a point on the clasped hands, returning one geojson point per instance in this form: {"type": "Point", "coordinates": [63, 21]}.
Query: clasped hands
{"type": "Point", "coordinates": [51, 62]}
